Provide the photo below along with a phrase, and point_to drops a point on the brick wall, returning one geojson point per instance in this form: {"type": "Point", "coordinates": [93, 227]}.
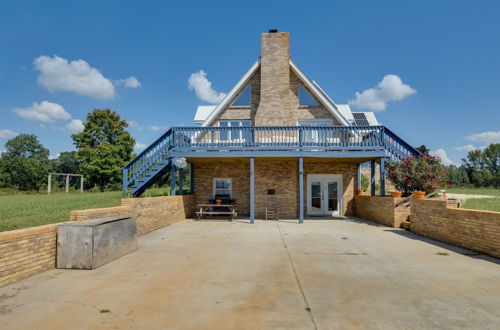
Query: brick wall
{"type": "Point", "coordinates": [155, 212]}
{"type": "Point", "coordinates": [280, 174]}
{"type": "Point", "coordinates": [88, 214]}
{"type": "Point", "coordinates": [26, 252]}
{"type": "Point", "coordinates": [30, 251]}
{"type": "Point", "coordinates": [381, 209]}
{"type": "Point", "coordinates": [471, 229]}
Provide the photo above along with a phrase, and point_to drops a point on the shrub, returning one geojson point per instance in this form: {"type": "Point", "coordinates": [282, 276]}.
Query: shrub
{"type": "Point", "coordinates": [411, 174]}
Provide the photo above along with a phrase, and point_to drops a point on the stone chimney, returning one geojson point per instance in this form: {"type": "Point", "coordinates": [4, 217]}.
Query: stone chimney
{"type": "Point", "coordinates": [274, 105]}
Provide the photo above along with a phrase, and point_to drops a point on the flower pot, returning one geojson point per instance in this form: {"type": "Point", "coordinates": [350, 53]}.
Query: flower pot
{"type": "Point", "coordinates": [419, 194]}
{"type": "Point", "coordinates": [360, 192]}
{"type": "Point", "coordinates": [396, 194]}
{"type": "Point", "coordinates": [218, 201]}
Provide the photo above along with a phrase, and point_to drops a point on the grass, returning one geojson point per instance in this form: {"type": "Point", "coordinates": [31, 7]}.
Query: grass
{"type": "Point", "coordinates": [475, 191]}
{"type": "Point", "coordinates": [485, 204]}
{"type": "Point", "coordinates": [22, 211]}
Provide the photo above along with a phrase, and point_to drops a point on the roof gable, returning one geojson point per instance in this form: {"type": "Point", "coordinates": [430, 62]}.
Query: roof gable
{"type": "Point", "coordinates": [208, 114]}
{"type": "Point", "coordinates": [229, 97]}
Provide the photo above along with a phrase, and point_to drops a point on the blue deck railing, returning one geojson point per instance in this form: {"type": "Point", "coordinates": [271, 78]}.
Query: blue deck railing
{"type": "Point", "coordinates": [155, 159]}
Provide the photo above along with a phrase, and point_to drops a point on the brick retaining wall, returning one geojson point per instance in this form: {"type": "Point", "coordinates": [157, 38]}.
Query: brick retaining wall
{"type": "Point", "coordinates": [470, 229]}
{"type": "Point", "coordinates": [380, 209]}
{"type": "Point", "coordinates": [26, 252]}
{"type": "Point", "coordinates": [30, 251]}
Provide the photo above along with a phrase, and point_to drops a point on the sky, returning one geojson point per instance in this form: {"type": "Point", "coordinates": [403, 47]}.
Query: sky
{"type": "Point", "coordinates": [430, 69]}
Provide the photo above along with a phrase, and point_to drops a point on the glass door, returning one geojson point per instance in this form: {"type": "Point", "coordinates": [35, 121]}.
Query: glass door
{"type": "Point", "coordinates": [324, 195]}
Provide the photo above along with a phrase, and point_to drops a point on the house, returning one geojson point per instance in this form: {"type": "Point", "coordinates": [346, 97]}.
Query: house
{"type": "Point", "coordinates": [275, 137]}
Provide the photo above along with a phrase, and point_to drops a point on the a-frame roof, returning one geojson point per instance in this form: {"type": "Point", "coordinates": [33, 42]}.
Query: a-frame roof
{"type": "Point", "coordinates": [311, 85]}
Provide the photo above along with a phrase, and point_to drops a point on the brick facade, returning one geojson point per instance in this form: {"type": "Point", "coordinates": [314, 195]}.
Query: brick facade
{"type": "Point", "coordinates": [381, 209]}
{"type": "Point", "coordinates": [471, 229]}
{"type": "Point", "coordinates": [30, 251]}
{"type": "Point", "coordinates": [279, 174]}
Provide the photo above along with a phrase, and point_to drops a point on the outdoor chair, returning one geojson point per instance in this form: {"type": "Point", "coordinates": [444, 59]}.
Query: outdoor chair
{"type": "Point", "coordinates": [272, 209]}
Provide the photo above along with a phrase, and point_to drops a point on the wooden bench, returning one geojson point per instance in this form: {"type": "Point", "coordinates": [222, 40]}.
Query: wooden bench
{"type": "Point", "coordinates": [208, 209]}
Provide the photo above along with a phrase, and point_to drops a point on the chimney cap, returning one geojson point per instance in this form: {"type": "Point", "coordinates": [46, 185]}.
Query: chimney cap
{"type": "Point", "coordinates": [273, 31]}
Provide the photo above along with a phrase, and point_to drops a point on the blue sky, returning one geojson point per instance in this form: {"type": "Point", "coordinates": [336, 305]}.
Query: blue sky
{"type": "Point", "coordinates": [138, 56]}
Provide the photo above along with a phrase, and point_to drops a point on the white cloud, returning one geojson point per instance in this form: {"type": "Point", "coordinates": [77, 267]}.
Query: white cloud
{"type": "Point", "coordinates": [57, 74]}
{"type": "Point", "coordinates": [54, 156]}
{"type": "Point", "coordinates": [133, 124]}
{"type": "Point", "coordinates": [139, 146]}
{"type": "Point", "coordinates": [75, 125]}
{"type": "Point", "coordinates": [157, 128]}
{"type": "Point", "coordinates": [203, 88]}
{"type": "Point", "coordinates": [44, 111]}
{"type": "Point", "coordinates": [391, 88]}
{"type": "Point", "coordinates": [7, 134]}
{"type": "Point", "coordinates": [467, 147]}
{"type": "Point", "coordinates": [130, 82]}
{"type": "Point", "coordinates": [485, 137]}
{"type": "Point", "coordinates": [441, 153]}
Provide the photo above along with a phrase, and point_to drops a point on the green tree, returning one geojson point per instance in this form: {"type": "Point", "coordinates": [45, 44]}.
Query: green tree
{"type": "Point", "coordinates": [67, 162]}
{"type": "Point", "coordinates": [104, 147]}
{"type": "Point", "coordinates": [25, 163]}
{"type": "Point", "coordinates": [491, 160]}
{"type": "Point", "coordinates": [423, 150]}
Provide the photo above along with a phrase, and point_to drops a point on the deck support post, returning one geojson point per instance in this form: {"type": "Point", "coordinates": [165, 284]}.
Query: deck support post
{"type": "Point", "coordinates": [124, 182]}
{"type": "Point", "coordinates": [301, 190]}
{"type": "Point", "coordinates": [173, 171]}
{"type": "Point", "coordinates": [252, 190]}
{"type": "Point", "coordinates": [181, 181]}
{"type": "Point", "coordinates": [382, 176]}
{"type": "Point", "coordinates": [358, 177]}
{"type": "Point", "coordinates": [191, 181]}
{"type": "Point", "coordinates": [372, 178]}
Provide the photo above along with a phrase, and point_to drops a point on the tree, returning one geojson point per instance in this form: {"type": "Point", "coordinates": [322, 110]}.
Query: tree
{"type": "Point", "coordinates": [104, 147]}
{"type": "Point", "coordinates": [25, 163]}
{"type": "Point", "coordinates": [423, 150]}
{"type": "Point", "coordinates": [67, 162]}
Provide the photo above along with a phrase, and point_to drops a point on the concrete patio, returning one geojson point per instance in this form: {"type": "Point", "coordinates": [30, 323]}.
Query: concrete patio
{"type": "Point", "coordinates": [324, 274]}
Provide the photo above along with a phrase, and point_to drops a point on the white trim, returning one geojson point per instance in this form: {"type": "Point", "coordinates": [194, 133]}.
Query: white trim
{"type": "Point", "coordinates": [325, 100]}
{"type": "Point", "coordinates": [325, 178]}
{"type": "Point", "coordinates": [229, 97]}
{"type": "Point", "coordinates": [230, 186]}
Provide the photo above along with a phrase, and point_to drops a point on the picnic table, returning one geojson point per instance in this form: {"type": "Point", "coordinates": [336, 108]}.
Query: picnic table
{"type": "Point", "coordinates": [214, 209]}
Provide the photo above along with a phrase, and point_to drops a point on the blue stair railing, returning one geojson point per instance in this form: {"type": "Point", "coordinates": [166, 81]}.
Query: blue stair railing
{"type": "Point", "coordinates": [148, 166]}
{"type": "Point", "coordinates": [155, 160]}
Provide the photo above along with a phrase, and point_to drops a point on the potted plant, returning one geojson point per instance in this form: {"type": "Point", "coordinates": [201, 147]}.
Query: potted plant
{"type": "Point", "coordinates": [218, 202]}
{"type": "Point", "coordinates": [416, 174]}
{"type": "Point", "coordinates": [396, 194]}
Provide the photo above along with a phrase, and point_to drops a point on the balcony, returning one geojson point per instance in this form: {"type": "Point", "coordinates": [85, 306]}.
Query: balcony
{"type": "Point", "coordinates": [331, 141]}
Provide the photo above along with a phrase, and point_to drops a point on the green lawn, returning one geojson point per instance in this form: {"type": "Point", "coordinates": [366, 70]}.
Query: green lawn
{"type": "Point", "coordinates": [475, 191]}
{"type": "Point", "coordinates": [21, 211]}
{"type": "Point", "coordinates": [486, 204]}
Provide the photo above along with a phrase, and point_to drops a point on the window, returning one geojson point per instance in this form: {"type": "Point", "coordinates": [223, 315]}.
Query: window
{"type": "Point", "coordinates": [244, 99]}
{"type": "Point", "coordinates": [235, 134]}
{"type": "Point", "coordinates": [222, 187]}
{"type": "Point", "coordinates": [305, 98]}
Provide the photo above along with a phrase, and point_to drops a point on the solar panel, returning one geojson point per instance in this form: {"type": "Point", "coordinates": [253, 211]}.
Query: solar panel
{"type": "Point", "coordinates": [360, 119]}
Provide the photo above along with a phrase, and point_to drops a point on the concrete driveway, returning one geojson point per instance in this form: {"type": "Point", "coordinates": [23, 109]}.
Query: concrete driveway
{"type": "Point", "coordinates": [219, 275]}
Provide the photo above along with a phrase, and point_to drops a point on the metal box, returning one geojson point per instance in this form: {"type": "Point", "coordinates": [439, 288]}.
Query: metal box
{"type": "Point", "coordinates": [90, 244]}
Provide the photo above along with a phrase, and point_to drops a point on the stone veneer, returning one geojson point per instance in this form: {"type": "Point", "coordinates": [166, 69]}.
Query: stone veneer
{"type": "Point", "coordinates": [30, 251]}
